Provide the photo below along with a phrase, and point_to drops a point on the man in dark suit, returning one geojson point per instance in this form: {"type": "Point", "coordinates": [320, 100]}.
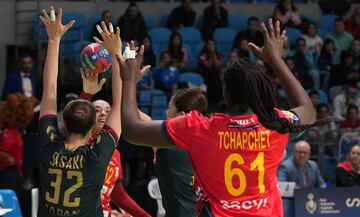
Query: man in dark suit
{"type": "Point", "coordinates": [182, 16]}
{"type": "Point", "coordinates": [23, 80]}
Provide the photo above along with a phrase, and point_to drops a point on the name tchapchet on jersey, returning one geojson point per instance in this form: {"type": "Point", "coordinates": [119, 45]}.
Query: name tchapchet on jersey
{"type": "Point", "coordinates": [246, 204]}
{"type": "Point", "coordinates": [230, 140]}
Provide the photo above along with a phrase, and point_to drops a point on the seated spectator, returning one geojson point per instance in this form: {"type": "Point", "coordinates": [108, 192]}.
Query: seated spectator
{"type": "Point", "coordinates": [166, 77]}
{"type": "Point", "coordinates": [315, 97]}
{"type": "Point", "coordinates": [300, 73]}
{"type": "Point", "coordinates": [305, 61]}
{"type": "Point", "coordinates": [348, 172]}
{"type": "Point", "coordinates": [352, 120]}
{"type": "Point", "coordinates": [106, 16]}
{"type": "Point", "coordinates": [299, 169]}
{"type": "Point", "coordinates": [214, 16]}
{"type": "Point", "coordinates": [209, 67]}
{"type": "Point", "coordinates": [182, 16]}
{"type": "Point", "coordinates": [22, 80]}
{"type": "Point", "coordinates": [341, 38]}
{"type": "Point", "coordinates": [338, 7]}
{"type": "Point", "coordinates": [355, 52]}
{"type": "Point", "coordinates": [352, 24]}
{"type": "Point", "coordinates": [233, 56]}
{"type": "Point", "coordinates": [287, 13]}
{"type": "Point", "coordinates": [343, 100]}
{"type": "Point", "coordinates": [146, 82]}
{"type": "Point", "coordinates": [328, 57]}
{"type": "Point", "coordinates": [243, 50]}
{"type": "Point", "coordinates": [252, 34]}
{"type": "Point", "coordinates": [326, 130]}
{"type": "Point", "coordinates": [339, 74]}
{"type": "Point", "coordinates": [313, 41]}
{"type": "Point", "coordinates": [178, 54]}
{"type": "Point", "coordinates": [149, 55]}
{"type": "Point", "coordinates": [132, 24]}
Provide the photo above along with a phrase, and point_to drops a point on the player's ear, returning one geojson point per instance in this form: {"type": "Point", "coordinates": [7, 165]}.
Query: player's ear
{"type": "Point", "coordinates": [181, 113]}
{"type": "Point", "coordinates": [62, 125]}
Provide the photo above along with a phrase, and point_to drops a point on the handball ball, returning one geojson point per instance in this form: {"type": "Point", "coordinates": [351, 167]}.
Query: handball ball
{"type": "Point", "coordinates": [95, 58]}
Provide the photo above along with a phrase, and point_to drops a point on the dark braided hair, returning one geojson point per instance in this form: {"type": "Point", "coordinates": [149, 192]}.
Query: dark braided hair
{"type": "Point", "coordinates": [249, 87]}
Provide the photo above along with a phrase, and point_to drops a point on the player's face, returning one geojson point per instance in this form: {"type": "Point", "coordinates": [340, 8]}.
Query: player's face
{"type": "Point", "coordinates": [301, 153]}
{"type": "Point", "coordinates": [102, 109]}
{"type": "Point", "coordinates": [354, 155]}
{"type": "Point", "coordinates": [172, 110]}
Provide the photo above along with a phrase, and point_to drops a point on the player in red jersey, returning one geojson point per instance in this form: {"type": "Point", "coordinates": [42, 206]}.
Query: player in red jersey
{"type": "Point", "coordinates": [112, 189]}
{"type": "Point", "coordinates": [234, 155]}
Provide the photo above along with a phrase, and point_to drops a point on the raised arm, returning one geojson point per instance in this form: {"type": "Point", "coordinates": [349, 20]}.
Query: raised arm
{"type": "Point", "coordinates": [134, 129]}
{"type": "Point", "coordinates": [271, 52]}
{"type": "Point", "coordinates": [55, 31]}
{"type": "Point", "coordinates": [112, 42]}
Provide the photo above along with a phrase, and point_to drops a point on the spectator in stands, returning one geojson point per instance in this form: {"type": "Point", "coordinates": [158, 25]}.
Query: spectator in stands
{"type": "Point", "coordinates": [313, 41]}
{"type": "Point", "coordinates": [341, 38]}
{"type": "Point", "coordinates": [179, 56]}
{"type": "Point", "coordinates": [300, 73]}
{"type": "Point", "coordinates": [182, 16]}
{"type": "Point", "coordinates": [352, 24]}
{"type": "Point", "coordinates": [214, 16]}
{"type": "Point", "coordinates": [328, 57]}
{"type": "Point", "coordinates": [305, 61]}
{"type": "Point", "coordinates": [149, 55]}
{"type": "Point", "coordinates": [355, 52]}
{"type": "Point", "coordinates": [146, 82]}
{"type": "Point", "coordinates": [339, 74]}
{"type": "Point", "coordinates": [209, 65]}
{"type": "Point", "coordinates": [338, 7]}
{"type": "Point", "coordinates": [348, 172]}
{"type": "Point", "coordinates": [252, 34]}
{"type": "Point", "coordinates": [166, 77]}
{"type": "Point", "coordinates": [352, 120]}
{"type": "Point", "coordinates": [232, 57]}
{"type": "Point", "coordinates": [315, 97]}
{"type": "Point", "coordinates": [23, 80]}
{"type": "Point", "coordinates": [326, 130]}
{"type": "Point", "coordinates": [299, 169]}
{"type": "Point", "coordinates": [287, 13]}
{"type": "Point", "coordinates": [343, 100]}
{"type": "Point", "coordinates": [243, 50]}
{"type": "Point", "coordinates": [132, 24]}
{"type": "Point", "coordinates": [106, 16]}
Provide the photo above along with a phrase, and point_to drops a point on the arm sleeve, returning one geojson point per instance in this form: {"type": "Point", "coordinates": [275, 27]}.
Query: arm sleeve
{"type": "Point", "coordinates": [85, 96]}
{"type": "Point", "coordinates": [48, 129]}
{"type": "Point", "coordinates": [180, 130]}
{"type": "Point", "coordinates": [282, 173]}
{"type": "Point", "coordinates": [123, 200]}
{"type": "Point", "coordinates": [320, 181]}
{"type": "Point", "coordinates": [341, 177]}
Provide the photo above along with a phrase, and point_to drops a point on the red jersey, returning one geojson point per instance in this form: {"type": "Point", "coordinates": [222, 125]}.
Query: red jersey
{"type": "Point", "coordinates": [113, 175]}
{"type": "Point", "coordinates": [11, 143]}
{"type": "Point", "coordinates": [235, 160]}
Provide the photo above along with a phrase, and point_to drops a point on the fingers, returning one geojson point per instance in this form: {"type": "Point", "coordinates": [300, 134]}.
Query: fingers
{"type": "Point", "coordinates": [105, 29]}
{"type": "Point", "coordinates": [254, 48]}
{"type": "Point", "coordinates": [45, 15]}
{"type": "Point", "coordinates": [82, 73]}
{"type": "Point", "coordinates": [52, 14]}
{"type": "Point", "coordinates": [140, 55]}
{"type": "Point", "coordinates": [144, 70]}
{"type": "Point", "coordinates": [59, 16]}
{"type": "Point", "coordinates": [132, 45]}
{"type": "Point", "coordinates": [69, 25]}
{"type": "Point", "coordinates": [97, 40]}
{"type": "Point", "coordinates": [43, 19]}
{"type": "Point", "coordinates": [265, 32]}
{"type": "Point", "coordinates": [271, 28]}
{"type": "Point", "coordinates": [111, 28]}
{"type": "Point", "coordinates": [101, 83]}
{"type": "Point", "coordinates": [277, 29]}
{"type": "Point", "coordinates": [117, 31]}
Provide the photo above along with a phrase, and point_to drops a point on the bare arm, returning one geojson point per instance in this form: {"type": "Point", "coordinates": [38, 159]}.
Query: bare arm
{"type": "Point", "coordinates": [271, 53]}
{"type": "Point", "coordinates": [55, 31]}
{"type": "Point", "coordinates": [112, 42]}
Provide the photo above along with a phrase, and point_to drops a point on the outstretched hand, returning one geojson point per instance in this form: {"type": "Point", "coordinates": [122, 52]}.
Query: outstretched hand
{"type": "Point", "coordinates": [131, 68]}
{"type": "Point", "coordinates": [273, 42]}
{"type": "Point", "coordinates": [54, 28]}
{"type": "Point", "coordinates": [111, 41]}
{"type": "Point", "coordinates": [91, 84]}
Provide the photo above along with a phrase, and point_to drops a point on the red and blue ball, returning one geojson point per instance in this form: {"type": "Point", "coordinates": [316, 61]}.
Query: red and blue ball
{"type": "Point", "coordinates": [95, 58]}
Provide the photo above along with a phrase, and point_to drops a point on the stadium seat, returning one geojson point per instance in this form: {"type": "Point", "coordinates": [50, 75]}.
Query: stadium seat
{"type": "Point", "coordinates": [34, 201]}
{"type": "Point", "coordinates": [154, 192]}
{"type": "Point", "coordinates": [75, 34]}
{"type": "Point", "coordinates": [199, 21]}
{"type": "Point", "coordinates": [10, 201]}
{"type": "Point", "coordinates": [327, 22]}
{"type": "Point", "coordinates": [160, 37]}
{"type": "Point", "coordinates": [39, 29]}
{"type": "Point", "coordinates": [238, 22]}
{"type": "Point", "coordinates": [190, 35]}
{"type": "Point", "coordinates": [309, 18]}
{"type": "Point", "coordinates": [323, 33]}
{"type": "Point", "coordinates": [293, 34]}
{"type": "Point", "coordinates": [193, 78]}
{"type": "Point", "coordinates": [149, 20]}
{"type": "Point", "coordinates": [153, 98]}
{"type": "Point", "coordinates": [224, 38]}
{"type": "Point", "coordinates": [199, 47]}
{"type": "Point", "coordinates": [163, 20]}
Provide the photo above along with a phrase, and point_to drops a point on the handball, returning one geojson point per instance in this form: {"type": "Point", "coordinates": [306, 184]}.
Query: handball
{"type": "Point", "coordinates": [95, 58]}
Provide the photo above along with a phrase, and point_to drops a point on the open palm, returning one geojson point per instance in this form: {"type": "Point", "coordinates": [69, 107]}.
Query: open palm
{"type": "Point", "coordinates": [54, 28]}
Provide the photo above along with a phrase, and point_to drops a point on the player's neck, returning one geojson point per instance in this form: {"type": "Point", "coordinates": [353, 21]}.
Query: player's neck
{"type": "Point", "coordinates": [75, 141]}
{"type": "Point", "coordinates": [238, 110]}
